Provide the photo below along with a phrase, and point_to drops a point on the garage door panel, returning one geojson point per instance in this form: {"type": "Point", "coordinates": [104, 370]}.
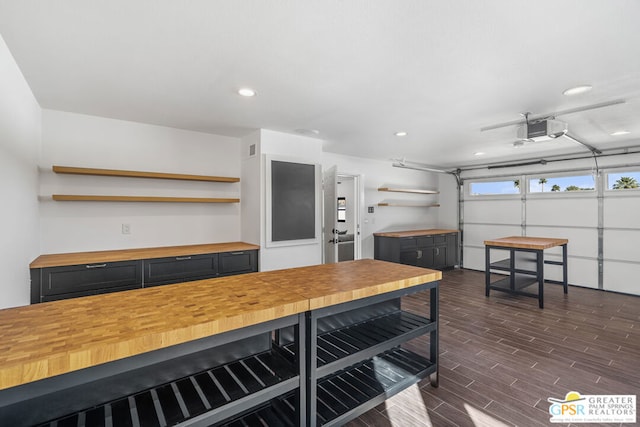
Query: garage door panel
{"type": "Point", "coordinates": [621, 245]}
{"type": "Point", "coordinates": [622, 277]}
{"type": "Point", "coordinates": [475, 235]}
{"type": "Point", "coordinates": [582, 242]}
{"type": "Point", "coordinates": [563, 211]}
{"type": "Point", "coordinates": [473, 258]}
{"type": "Point", "coordinates": [493, 211]}
{"type": "Point", "coordinates": [580, 271]}
{"type": "Point", "coordinates": [621, 212]}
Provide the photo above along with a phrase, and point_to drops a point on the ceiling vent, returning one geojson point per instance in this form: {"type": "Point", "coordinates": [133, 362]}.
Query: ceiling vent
{"type": "Point", "coordinates": [542, 130]}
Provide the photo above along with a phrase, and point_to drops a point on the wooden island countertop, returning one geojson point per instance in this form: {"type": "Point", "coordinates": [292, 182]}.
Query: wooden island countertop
{"type": "Point", "coordinates": [43, 340]}
{"type": "Point", "coordinates": [76, 258]}
{"type": "Point", "coordinates": [415, 233]}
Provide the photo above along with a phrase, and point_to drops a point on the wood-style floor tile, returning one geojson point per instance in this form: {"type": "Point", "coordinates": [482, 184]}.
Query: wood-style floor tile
{"type": "Point", "coordinates": [501, 357]}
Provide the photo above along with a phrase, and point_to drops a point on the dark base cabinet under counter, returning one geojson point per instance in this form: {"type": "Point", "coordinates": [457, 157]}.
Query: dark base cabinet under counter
{"type": "Point", "coordinates": [63, 276]}
{"type": "Point", "coordinates": [431, 248]}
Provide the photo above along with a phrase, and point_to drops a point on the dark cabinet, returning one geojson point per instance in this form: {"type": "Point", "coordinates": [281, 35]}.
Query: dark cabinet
{"type": "Point", "coordinates": [437, 251]}
{"type": "Point", "coordinates": [162, 271]}
{"type": "Point", "coordinates": [238, 262]}
{"type": "Point", "coordinates": [70, 281]}
{"type": "Point", "coordinates": [87, 279]}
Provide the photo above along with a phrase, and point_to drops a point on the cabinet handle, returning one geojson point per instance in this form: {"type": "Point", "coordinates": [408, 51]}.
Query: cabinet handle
{"type": "Point", "coordinates": [419, 253]}
{"type": "Point", "coordinates": [182, 258]}
{"type": "Point", "coordinates": [437, 251]}
{"type": "Point", "coordinates": [96, 266]}
{"type": "Point", "coordinates": [237, 253]}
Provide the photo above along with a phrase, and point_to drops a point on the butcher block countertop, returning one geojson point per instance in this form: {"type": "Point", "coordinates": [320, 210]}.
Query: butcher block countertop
{"type": "Point", "coordinates": [331, 284]}
{"type": "Point", "coordinates": [75, 258]}
{"type": "Point", "coordinates": [523, 242]}
{"type": "Point", "coordinates": [48, 339]}
{"type": "Point", "coordinates": [415, 233]}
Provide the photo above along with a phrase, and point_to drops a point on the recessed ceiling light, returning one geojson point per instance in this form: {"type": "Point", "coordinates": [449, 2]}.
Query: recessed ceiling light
{"type": "Point", "coordinates": [401, 133]}
{"type": "Point", "coordinates": [577, 90]}
{"type": "Point", "coordinates": [620, 132]}
{"type": "Point", "coordinates": [246, 91]}
{"type": "Point", "coordinates": [479, 153]}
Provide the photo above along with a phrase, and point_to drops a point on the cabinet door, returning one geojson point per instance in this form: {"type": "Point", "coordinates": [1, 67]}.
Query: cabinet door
{"type": "Point", "coordinates": [89, 279]}
{"type": "Point", "coordinates": [409, 257]}
{"type": "Point", "coordinates": [440, 256]}
{"type": "Point", "coordinates": [238, 262]}
{"type": "Point", "coordinates": [426, 257]}
{"type": "Point", "coordinates": [162, 271]}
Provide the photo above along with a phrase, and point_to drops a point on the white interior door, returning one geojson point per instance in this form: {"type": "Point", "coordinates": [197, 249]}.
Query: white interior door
{"type": "Point", "coordinates": [329, 187]}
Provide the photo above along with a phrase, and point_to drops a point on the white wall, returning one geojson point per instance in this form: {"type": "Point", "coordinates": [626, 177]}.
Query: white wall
{"type": "Point", "coordinates": [293, 148]}
{"type": "Point", "coordinates": [251, 184]}
{"type": "Point", "coordinates": [87, 141]}
{"type": "Point", "coordinates": [19, 149]}
{"type": "Point", "coordinates": [375, 174]}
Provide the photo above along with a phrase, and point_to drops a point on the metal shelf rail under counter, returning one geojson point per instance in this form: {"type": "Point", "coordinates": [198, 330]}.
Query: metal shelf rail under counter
{"type": "Point", "coordinates": [183, 355]}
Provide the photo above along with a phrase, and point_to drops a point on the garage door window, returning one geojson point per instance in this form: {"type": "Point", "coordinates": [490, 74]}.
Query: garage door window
{"type": "Point", "coordinates": [487, 188]}
{"type": "Point", "coordinates": [561, 184]}
{"type": "Point", "coordinates": [623, 180]}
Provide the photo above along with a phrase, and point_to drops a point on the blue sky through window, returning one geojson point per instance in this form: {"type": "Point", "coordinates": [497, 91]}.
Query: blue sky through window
{"type": "Point", "coordinates": [493, 187]}
{"type": "Point", "coordinates": [613, 177]}
{"type": "Point", "coordinates": [583, 182]}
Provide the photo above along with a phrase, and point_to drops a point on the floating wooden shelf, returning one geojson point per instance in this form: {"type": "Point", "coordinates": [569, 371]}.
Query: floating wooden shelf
{"type": "Point", "coordinates": [407, 205]}
{"type": "Point", "coordinates": [82, 198]}
{"type": "Point", "coordinates": [140, 174]}
{"type": "Point", "coordinates": [408, 190]}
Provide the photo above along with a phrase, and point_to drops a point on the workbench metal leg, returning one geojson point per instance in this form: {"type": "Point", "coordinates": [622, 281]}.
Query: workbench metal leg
{"type": "Point", "coordinates": [565, 277]}
{"type": "Point", "coordinates": [487, 268]}
{"type": "Point", "coordinates": [301, 362]}
{"type": "Point", "coordinates": [434, 297]}
{"type": "Point", "coordinates": [540, 277]}
{"type": "Point", "coordinates": [311, 359]}
{"type": "Point", "coordinates": [512, 268]}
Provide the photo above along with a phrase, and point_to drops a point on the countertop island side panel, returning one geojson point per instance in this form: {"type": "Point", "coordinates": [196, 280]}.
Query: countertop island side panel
{"type": "Point", "coordinates": [415, 233]}
{"type": "Point", "coordinates": [43, 340]}
{"type": "Point", "coordinates": [76, 258]}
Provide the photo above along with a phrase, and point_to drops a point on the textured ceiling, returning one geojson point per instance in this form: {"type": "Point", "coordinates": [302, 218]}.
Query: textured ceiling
{"type": "Point", "coordinates": [357, 71]}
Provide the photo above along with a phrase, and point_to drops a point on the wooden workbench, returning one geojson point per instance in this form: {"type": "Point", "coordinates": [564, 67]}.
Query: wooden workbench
{"type": "Point", "coordinates": [48, 341]}
{"type": "Point", "coordinates": [523, 272]}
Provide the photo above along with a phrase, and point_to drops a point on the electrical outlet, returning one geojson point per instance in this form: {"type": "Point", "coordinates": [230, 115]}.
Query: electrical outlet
{"type": "Point", "coordinates": [126, 228]}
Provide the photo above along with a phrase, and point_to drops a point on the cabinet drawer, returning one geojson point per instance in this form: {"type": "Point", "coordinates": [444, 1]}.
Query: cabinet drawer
{"type": "Point", "coordinates": [425, 241]}
{"type": "Point", "coordinates": [162, 271]}
{"type": "Point", "coordinates": [408, 243]}
{"type": "Point", "coordinates": [238, 262]}
{"type": "Point", "coordinates": [439, 239]}
{"type": "Point", "coordinates": [88, 279]}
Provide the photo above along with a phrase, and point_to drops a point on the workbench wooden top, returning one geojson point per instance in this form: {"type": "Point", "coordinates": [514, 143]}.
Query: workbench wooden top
{"type": "Point", "coordinates": [525, 242]}
{"type": "Point", "coordinates": [415, 233]}
{"type": "Point", "coordinates": [331, 284]}
{"type": "Point", "coordinates": [43, 340]}
{"type": "Point", "coordinates": [76, 258]}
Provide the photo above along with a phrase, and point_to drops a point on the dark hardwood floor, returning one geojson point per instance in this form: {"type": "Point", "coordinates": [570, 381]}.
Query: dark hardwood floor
{"type": "Point", "coordinates": [501, 357]}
